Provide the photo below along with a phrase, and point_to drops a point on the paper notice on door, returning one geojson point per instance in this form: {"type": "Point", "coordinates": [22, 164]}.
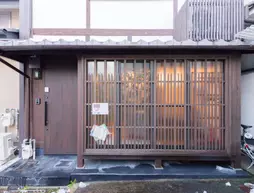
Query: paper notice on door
{"type": "Point", "coordinates": [99, 108]}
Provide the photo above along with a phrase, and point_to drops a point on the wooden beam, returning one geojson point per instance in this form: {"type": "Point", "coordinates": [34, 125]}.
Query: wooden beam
{"type": "Point", "coordinates": [88, 14]}
{"type": "Point", "coordinates": [25, 18]}
{"type": "Point", "coordinates": [175, 10]}
{"type": "Point", "coordinates": [101, 32]}
{"type": "Point", "coordinates": [88, 17]}
{"type": "Point", "coordinates": [80, 118]}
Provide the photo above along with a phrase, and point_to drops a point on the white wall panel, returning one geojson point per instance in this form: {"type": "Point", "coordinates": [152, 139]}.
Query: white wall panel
{"type": "Point", "coordinates": [127, 14]}
{"type": "Point", "coordinates": [59, 13]}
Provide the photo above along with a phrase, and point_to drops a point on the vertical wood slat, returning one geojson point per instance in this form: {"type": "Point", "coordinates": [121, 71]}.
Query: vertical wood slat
{"type": "Point", "coordinates": [197, 138]}
{"type": "Point", "coordinates": [114, 106]}
{"type": "Point", "coordinates": [125, 96]}
{"type": "Point", "coordinates": [186, 107]}
{"type": "Point", "coordinates": [91, 101]}
{"type": "Point", "coordinates": [223, 103]}
{"type": "Point", "coordinates": [209, 110]}
{"type": "Point", "coordinates": [165, 99]}
{"type": "Point", "coordinates": [145, 131]}
{"type": "Point", "coordinates": [172, 120]}
{"type": "Point", "coordinates": [154, 113]}
{"type": "Point", "coordinates": [205, 106]}
{"type": "Point", "coordinates": [228, 105]}
{"type": "Point", "coordinates": [104, 94]}
{"type": "Point", "coordinates": [81, 117]}
{"type": "Point", "coordinates": [94, 96]}
{"type": "Point", "coordinates": [175, 104]}
{"type": "Point", "coordinates": [195, 104]}
{"type": "Point", "coordinates": [216, 105]}
{"type": "Point", "coordinates": [135, 97]}
{"type": "Point", "coordinates": [84, 105]}
{"type": "Point", "coordinates": [178, 112]}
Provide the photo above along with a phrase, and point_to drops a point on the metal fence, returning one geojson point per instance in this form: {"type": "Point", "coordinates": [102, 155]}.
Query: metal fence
{"type": "Point", "coordinates": [166, 104]}
{"type": "Point", "coordinates": [209, 19]}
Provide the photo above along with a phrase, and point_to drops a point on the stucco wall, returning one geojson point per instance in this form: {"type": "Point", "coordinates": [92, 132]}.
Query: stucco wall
{"type": "Point", "coordinates": [9, 85]}
{"type": "Point", "coordinates": [247, 99]}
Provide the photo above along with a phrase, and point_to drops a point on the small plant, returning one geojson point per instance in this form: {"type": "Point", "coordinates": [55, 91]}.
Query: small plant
{"type": "Point", "coordinates": [24, 189]}
{"type": "Point", "coordinates": [72, 183]}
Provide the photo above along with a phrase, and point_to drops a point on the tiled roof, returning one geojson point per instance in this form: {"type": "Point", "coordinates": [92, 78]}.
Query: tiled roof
{"type": "Point", "coordinates": [80, 44]}
{"type": "Point", "coordinates": [247, 34]}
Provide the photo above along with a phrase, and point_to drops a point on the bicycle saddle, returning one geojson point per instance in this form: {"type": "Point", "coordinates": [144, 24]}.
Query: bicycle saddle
{"type": "Point", "coordinates": [246, 126]}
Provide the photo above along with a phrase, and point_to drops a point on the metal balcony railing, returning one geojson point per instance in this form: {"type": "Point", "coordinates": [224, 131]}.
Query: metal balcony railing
{"type": "Point", "coordinates": [209, 19]}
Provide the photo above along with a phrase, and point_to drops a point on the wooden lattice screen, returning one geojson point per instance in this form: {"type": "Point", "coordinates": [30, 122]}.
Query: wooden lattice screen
{"type": "Point", "coordinates": [157, 104]}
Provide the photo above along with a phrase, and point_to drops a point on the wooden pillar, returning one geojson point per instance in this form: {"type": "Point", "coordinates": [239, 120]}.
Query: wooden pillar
{"type": "Point", "coordinates": [158, 164]}
{"type": "Point", "coordinates": [80, 131]}
{"type": "Point", "coordinates": [22, 116]}
{"type": "Point", "coordinates": [235, 110]}
{"type": "Point", "coordinates": [27, 129]}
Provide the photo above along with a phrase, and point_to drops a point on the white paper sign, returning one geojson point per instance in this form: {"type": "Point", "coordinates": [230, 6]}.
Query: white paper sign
{"type": "Point", "coordinates": [100, 108]}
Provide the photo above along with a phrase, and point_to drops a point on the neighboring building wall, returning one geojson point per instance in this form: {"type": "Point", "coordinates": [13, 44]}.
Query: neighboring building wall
{"type": "Point", "coordinates": [247, 100]}
{"type": "Point", "coordinates": [10, 18]}
{"type": "Point", "coordinates": [15, 19]}
{"type": "Point", "coordinates": [9, 84]}
{"type": "Point", "coordinates": [9, 79]}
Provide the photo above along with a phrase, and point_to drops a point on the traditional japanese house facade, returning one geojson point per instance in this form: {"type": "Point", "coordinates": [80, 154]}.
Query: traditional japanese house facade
{"type": "Point", "coordinates": [167, 99]}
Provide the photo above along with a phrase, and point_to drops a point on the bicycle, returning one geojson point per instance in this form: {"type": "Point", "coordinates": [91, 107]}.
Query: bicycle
{"type": "Point", "coordinates": [246, 141]}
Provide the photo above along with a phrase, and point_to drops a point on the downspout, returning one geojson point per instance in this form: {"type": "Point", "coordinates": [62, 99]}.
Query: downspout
{"type": "Point", "coordinates": [29, 89]}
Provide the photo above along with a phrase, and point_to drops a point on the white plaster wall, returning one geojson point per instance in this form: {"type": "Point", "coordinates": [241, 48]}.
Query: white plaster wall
{"type": "Point", "coordinates": [59, 13]}
{"type": "Point", "coordinates": [9, 94]}
{"type": "Point", "coordinates": [247, 100]}
{"type": "Point", "coordinates": [128, 14]}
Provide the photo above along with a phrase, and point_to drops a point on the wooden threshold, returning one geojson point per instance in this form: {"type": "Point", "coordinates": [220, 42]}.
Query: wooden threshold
{"type": "Point", "coordinates": [154, 152]}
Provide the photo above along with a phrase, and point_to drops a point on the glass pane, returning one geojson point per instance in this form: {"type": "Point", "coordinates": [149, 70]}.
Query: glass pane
{"type": "Point", "coordinates": [110, 68]}
{"type": "Point", "coordinates": [90, 70]}
{"type": "Point", "coordinates": [100, 67]}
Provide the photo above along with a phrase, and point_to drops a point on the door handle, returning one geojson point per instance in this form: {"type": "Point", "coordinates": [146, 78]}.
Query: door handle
{"type": "Point", "coordinates": [46, 113]}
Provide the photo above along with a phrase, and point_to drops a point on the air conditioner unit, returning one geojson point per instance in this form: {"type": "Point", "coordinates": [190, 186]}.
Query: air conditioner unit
{"type": "Point", "coordinates": [6, 146]}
